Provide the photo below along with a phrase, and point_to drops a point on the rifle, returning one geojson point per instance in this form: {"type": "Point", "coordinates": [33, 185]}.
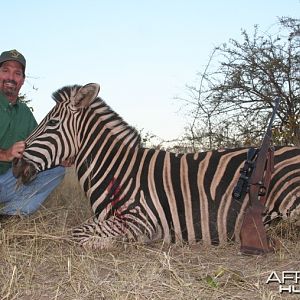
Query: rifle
{"type": "Point", "coordinates": [256, 176]}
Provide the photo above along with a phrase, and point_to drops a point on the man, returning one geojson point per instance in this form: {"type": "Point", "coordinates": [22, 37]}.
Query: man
{"type": "Point", "coordinates": [16, 124]}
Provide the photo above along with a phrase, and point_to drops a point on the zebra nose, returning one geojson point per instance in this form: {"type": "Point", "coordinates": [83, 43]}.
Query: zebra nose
{"type": "Point", "coordinates": [23, 170]}
{"type": "Point", "coordinates": [29, 173]}
{"type": "Point", "coordinates": [17, 167]}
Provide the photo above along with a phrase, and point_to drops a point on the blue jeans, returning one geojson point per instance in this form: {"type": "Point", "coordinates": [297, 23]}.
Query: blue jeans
{"type": "Point", "coordinates": [26, 199]}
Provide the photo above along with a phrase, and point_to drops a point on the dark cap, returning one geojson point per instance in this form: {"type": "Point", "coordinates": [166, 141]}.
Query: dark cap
{"type": "Point", "coordinates": [13, 55]}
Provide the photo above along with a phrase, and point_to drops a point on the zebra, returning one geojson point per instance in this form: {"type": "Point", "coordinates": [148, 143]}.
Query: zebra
{"type": "Point", "coordinates": [144, 194]}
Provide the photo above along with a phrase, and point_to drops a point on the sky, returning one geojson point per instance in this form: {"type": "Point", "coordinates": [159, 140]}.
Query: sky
{"type": "Point", "coordinates": [142, 53]}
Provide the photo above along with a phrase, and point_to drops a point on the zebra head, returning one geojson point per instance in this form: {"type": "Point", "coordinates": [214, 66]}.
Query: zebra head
{"type": "Point", "coordinates": [56, 138]}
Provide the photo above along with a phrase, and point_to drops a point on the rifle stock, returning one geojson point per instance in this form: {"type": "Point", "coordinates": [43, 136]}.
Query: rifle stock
{"type": "Point", "coordinates": [253, 235]}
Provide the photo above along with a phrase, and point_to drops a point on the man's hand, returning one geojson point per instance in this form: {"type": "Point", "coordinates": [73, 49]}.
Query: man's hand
{"type": "Point", "coordinates": [15, 151]}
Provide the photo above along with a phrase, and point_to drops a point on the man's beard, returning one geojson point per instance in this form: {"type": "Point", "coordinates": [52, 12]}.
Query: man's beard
{"type": "Point", "coordinates": [11, 90]}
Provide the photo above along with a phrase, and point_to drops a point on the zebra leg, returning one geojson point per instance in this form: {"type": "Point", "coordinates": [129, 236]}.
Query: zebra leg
{"type": "Point", "coordinates": [104, 234]}
{"type": "Point", "coordinates": [97, 234]}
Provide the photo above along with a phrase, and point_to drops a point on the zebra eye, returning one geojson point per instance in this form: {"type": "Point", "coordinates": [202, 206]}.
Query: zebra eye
{"type": "Point", "coordinates": [52, 122]}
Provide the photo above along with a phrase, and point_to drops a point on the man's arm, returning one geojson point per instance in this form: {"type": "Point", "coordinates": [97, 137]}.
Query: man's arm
{"type": "Point", "coordinates": [15, 151]}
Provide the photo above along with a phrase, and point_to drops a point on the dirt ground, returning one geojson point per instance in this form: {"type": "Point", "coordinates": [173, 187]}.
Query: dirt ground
{"type": "Point", "coordinates": [38, 261]}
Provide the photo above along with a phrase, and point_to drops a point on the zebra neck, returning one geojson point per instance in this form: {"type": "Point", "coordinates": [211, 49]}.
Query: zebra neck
{"type": "Point", "coordinates": [103, 160]}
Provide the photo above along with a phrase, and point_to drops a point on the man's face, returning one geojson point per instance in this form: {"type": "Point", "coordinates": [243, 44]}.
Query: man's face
{"type": "Point", "coordinates": [11, 79]}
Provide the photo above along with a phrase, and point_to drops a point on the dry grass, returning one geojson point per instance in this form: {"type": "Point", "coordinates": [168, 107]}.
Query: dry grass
{"type": "Point", "coordinates": [39, 262]}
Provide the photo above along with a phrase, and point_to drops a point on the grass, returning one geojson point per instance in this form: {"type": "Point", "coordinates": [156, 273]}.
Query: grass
{"type": "Point", "coordinates": [39, 261]}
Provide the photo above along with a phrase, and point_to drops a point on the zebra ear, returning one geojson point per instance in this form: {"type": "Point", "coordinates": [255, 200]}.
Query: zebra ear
{"type": "Point", "coordinates": [86, 94]}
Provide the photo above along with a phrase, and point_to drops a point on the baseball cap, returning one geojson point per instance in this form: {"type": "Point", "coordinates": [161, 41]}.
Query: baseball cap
{"type": "Point", "coordinates": [13, 55]}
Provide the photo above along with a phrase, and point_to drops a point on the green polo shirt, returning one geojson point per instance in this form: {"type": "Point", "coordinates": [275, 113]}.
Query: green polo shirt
{"type": "Point", "coordinates": [16, 124]}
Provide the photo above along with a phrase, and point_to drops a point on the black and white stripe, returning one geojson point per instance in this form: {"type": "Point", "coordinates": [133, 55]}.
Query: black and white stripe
{"type": "Point", "coordinates": [146, 194]}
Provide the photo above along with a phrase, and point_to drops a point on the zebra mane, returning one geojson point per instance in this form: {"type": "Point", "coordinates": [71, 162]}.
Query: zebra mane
{"type": "Point", "coordinates": [100, 103]}
{"type": "Point", "coordinates": [65, 93]}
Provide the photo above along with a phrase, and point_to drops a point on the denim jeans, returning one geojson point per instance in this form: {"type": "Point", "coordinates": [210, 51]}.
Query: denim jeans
{"type": "Point", "coordinates": [26, 199]}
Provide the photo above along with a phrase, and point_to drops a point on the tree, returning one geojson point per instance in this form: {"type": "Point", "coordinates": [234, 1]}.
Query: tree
{"type": "Point", "coordinates": [23, 98]}
{"type": "Point", "coordinates": [232, 103]}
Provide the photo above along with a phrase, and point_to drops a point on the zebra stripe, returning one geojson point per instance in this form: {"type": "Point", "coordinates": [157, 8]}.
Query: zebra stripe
{"type": "Point", "coordinates": [147, 194]}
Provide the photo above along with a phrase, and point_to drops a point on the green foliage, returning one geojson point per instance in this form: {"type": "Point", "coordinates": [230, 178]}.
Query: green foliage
{"type": "Point", "coordinates": [22, 98]}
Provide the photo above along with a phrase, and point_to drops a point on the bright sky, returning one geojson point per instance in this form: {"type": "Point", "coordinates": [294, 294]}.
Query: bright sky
{"type": "Point", "coordinates": [142, 53]}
